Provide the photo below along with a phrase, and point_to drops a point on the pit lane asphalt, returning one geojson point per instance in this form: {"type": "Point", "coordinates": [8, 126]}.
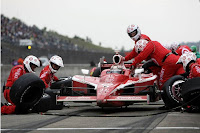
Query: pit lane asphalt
{"type": "Point", "coordinates": [88, 118]}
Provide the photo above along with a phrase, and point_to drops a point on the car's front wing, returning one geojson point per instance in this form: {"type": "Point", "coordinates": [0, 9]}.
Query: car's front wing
{"type": "Point", "coordinates": [109, 99]}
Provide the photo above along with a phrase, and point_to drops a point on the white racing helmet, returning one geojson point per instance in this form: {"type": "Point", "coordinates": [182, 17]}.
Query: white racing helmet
{"type": "Point", "coordinates": [185, 59]}
{"type": "Point", "coordinates": [140, 45]}
{"type": "Point", "coordinates": [134, 32]}
{"type": "Point", "coordinates": [55, 60]}
{"type": "Point", "coordinates": [174, 46]}
{"type": "Point", "coordinates": [31, 60]}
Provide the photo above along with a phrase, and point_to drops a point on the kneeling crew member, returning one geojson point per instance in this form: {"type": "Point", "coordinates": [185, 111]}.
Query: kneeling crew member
{"type": "Point", "coordinates": [47, 74]}
{"type": "Point", "coordinates": [29, 65]}
{"type": "Point", "coordinates": [189, 64]}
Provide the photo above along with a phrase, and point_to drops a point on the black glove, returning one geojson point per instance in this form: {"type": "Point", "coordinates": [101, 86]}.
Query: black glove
{"type": "Point", "coordinates": [132, 67]}
{"type": "Point", "coordinates": [185, 75]}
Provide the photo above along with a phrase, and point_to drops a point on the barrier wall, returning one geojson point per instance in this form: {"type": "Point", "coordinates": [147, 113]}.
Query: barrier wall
{"type": "Point", "coordinates": [68, 70]}
{"type": "Point", "coordinates": [10, 52]}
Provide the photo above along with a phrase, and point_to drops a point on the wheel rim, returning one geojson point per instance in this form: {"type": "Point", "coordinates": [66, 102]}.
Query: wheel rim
{"type": "Point", "coordinates": [176, 90]}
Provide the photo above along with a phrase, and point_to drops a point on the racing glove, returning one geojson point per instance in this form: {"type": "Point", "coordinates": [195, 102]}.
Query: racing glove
{"type": "Point", "coordinates": [132, 67]}
{"type": "Point", "coordinates": [132, 70]}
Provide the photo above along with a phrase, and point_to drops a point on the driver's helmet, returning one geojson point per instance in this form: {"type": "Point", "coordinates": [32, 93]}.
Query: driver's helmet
{"type": "Point", "coordinates": [31, 60]}
{"type": "Point", "coordinates": [140, 45]}
{"type": "Point", "coordinates": [115, 69]}
{"type": "Point", "coordinates": [174, 46]}
{"type": "Point", "coordinates": [185, 59]}
{"type": "Point", "coordinates": [134, 32]}
{"type": "Point", "coordinates": [193, 48]}
{"type": "Point", "coordinates": [57, 60]}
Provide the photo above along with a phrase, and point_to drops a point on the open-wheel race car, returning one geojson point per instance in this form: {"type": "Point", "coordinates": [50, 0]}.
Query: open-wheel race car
{"type": "Point", "coordinates": [113, 84]}
{"type": "Point", "coordinates": [110, 85]}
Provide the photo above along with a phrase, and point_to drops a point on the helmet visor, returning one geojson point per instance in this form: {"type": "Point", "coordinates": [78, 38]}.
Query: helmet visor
{"type": "Point", "coordinates": [133, 33]}
{"type": "Point", "coordinates": [32, 66]}
{"type": "Point", "coordinates": [54, 66]}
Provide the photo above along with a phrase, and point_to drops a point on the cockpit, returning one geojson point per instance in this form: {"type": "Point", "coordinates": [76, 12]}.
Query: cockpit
{"type": "Point", "coordinates": [116, 70]}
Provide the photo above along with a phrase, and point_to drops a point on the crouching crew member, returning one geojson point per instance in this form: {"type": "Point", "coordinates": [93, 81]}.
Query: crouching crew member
{"type": "Point", "coordinates": [47, 74]}
{"type": "Point", "coordinates": [194, 50]}
{"type": "Point", "coordinates": [189, 64]}
{"type": "Point", "coordinates": [179, 49]}
{"type": "Point", "coordinates": [29, 65]}
{"type": "Point", "coordinates": [160, 56]}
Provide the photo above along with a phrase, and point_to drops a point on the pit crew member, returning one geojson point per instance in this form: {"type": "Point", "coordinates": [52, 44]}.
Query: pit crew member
{"type": "Point", "coordinates": [179, 49]}
{"type": "Point", "coordinates": [188, 60]}
{"type": "Point", "coordinates": [194, 50]}
{"type": "Point", "coordinates": [160, 56]}
{"type": "Point", "coordinates": [29, 65]}
{"type": "Point", "coordinates": [48, 72]}
{"type": "Point", "coordinates": [134, 33]}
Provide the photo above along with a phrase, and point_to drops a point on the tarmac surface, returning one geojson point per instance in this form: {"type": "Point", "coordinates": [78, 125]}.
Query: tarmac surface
{"type": "Point", "coordinates": [89, 118]}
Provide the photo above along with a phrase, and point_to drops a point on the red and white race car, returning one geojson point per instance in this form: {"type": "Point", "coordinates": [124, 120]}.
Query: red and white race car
{"type": "Point", "coordinates": [110, 85]}
{"type": "Point", "coordinates": [115, 86]}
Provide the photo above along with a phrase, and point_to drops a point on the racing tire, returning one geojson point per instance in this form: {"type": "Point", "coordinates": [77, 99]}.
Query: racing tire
{"type": "Point", "coordinates": [43, 105]}
{"type": "Point", "coordinates": [153, 95]}
{"type": "Point", "coordinates": [27, 90]}
{"type": "Point", "coordinates": [97, 72]}
{"type": "Point", "coordinates": [64, 85]}
{"type": "Point", "coordinates": [171, 94]}
{"type": "Point", "coordinates": [54, 105]}
{"type": "Point", "coordinates": [65, 82]}
{"type": "Point", "coordinates": [191, 92]}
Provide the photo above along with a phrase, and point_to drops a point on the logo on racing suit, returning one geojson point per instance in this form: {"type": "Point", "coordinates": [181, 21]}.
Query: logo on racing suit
{"type": "Point", "coordinates": [184, 50]}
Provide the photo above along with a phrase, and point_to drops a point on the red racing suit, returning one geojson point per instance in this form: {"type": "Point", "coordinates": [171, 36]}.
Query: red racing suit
{"type": "Point", "coordinates": [198, 60]}
{"type": "Point", "coordinates": [182, 49]}
{"type": "Point", "coordinates": [133, 54]}
{"type": "Point", "coordinates": [47, 76]}
{"type": "Point", "coordinates": [15, 73]}
{"type": "Point", "coordinates": [194, 70]}
{"type": "Point", "coordinates": [163, 58]}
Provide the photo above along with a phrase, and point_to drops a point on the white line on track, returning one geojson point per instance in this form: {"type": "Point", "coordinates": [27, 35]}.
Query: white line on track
{"type": "Point", "coordinates": [162, 128]}
{"type": "Point", "coordinates": [100, 128]}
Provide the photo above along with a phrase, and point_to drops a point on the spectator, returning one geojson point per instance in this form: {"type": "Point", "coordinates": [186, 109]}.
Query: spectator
{"type": "Point", "coordinates": [12, 30]}
{"type": "Point", "coordinates": [20, 61]}
{"type": "Point", "coordinates": [14, 62]}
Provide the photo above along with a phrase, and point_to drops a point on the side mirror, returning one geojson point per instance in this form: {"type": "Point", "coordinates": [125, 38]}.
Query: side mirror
{"type": "Point", "coordinates": [138, 71]}
{"type": "Point", "coordinates": [85, 71]}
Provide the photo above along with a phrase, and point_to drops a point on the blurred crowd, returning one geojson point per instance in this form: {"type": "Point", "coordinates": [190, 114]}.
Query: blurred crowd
{"type": "Point", "coordinates": [12, 30]}
{"type": "Point", "coordinates": [17, 62]}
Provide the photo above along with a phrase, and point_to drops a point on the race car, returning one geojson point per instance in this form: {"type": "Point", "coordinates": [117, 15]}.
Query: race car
{"type": "Point", "coordinates": [111, 85]}
{"type": "Point", "coordinates": [116, 86]}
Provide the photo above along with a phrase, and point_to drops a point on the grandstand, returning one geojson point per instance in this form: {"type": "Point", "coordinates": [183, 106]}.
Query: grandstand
{"type": "Point", "coordinates": [16, 36]}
